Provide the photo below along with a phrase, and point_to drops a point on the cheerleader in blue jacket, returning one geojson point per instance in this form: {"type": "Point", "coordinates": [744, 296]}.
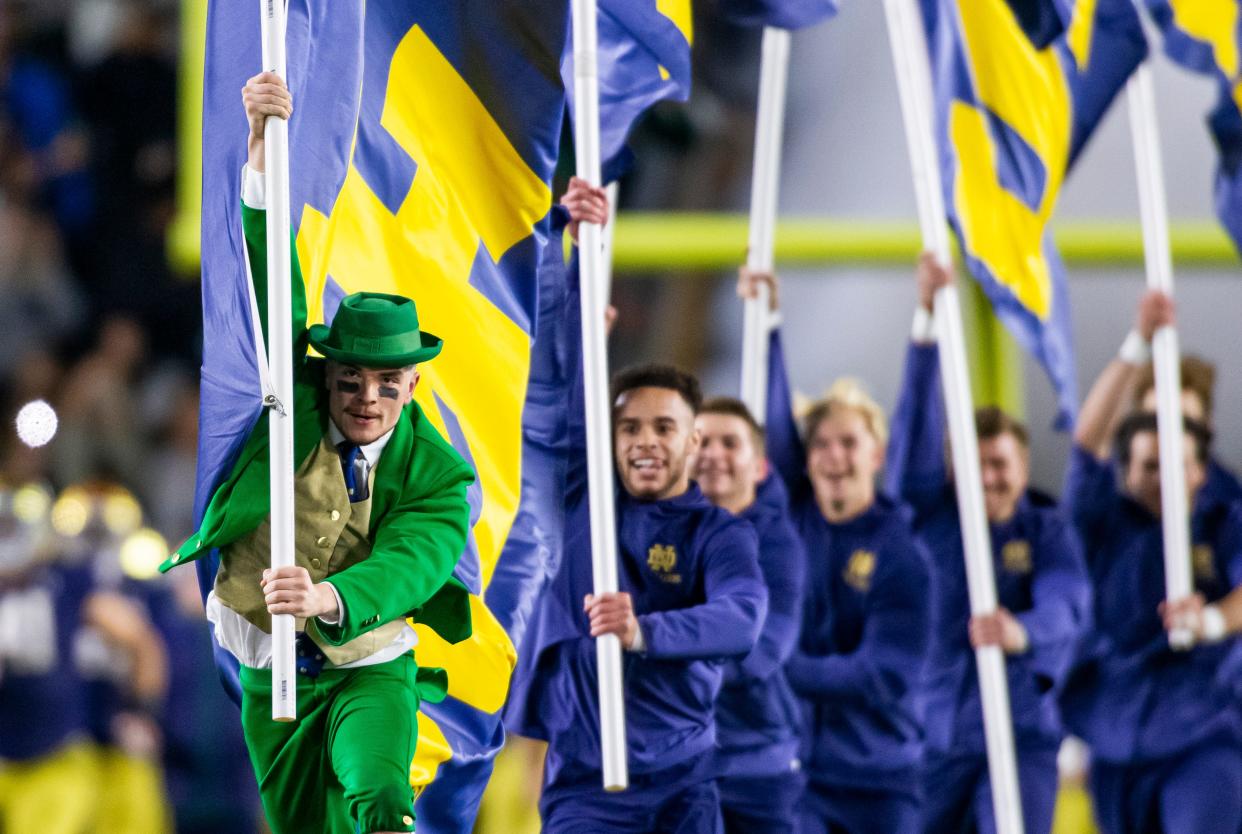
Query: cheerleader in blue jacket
{"type": "Point", "coordinates": [1164, 726]}
{"type": "Point", "coordinates": [691, 597]}
{"type": "Point", "coordinates": [859, 664]}
{"type": "Point", "coordinates": [758, 717]}
{"type": "Point", "coordinates": [1041, 586]}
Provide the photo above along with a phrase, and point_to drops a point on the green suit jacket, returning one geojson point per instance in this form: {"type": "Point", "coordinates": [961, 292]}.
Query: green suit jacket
{"type": "Point", "coordinates": [419, 513]}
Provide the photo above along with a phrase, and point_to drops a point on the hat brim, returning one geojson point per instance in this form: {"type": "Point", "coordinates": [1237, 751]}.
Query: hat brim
{"type": "Point", "coordinates": [431, 347]}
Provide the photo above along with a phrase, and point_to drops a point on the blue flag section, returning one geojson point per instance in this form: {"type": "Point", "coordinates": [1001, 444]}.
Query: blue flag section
{"type": "Point", "coordinates": [422, 145]}
{"type": "Point", "coordinates": [1205, 36]}
{"type": "Point", "coordinates": [1012, 117]}
{"type": "Point", "coordinates": [783, 14]}
{"type": "Point", "coordinates": [644, 58]}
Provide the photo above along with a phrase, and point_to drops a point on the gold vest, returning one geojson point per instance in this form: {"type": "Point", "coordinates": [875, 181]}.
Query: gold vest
{"type": "Point", "coordinates": [329, 535]}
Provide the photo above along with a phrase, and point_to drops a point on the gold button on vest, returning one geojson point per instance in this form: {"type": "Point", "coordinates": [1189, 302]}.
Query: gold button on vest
{"type": "Point", "coordinates": [319, 483]}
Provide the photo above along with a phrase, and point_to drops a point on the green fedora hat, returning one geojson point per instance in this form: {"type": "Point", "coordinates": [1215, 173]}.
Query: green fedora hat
{"type": "Point", "coordinates": [375, 330]}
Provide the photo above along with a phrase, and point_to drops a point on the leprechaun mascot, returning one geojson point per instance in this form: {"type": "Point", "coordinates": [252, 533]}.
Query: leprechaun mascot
{"type": "Point", "coordinates": [380, 521]}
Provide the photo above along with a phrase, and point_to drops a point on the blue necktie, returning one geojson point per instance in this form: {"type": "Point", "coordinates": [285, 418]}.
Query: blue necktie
{"type": "Point", "coordinates": [349, 453]}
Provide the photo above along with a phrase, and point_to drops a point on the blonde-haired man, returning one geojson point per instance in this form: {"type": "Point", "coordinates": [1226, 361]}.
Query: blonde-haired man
{"type": "Point", "coordinates": [866, 618]}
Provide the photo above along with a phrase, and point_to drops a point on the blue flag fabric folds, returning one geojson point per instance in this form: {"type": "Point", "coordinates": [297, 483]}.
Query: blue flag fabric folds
{"type": "Point", "coordinates": [783, 14]}
{"type": "Point", "coordinates": [1012, 117]}
{"type": "Point", "coordinates": [422, 144]}
{"type": "Point", "coordinates": [644, 58]}
{"type": "Point", "coordinates": [1205, 36]}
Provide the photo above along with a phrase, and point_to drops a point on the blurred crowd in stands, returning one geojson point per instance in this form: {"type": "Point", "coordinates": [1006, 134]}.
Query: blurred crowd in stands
{"type": "Point", "coordinates": [110, 709]}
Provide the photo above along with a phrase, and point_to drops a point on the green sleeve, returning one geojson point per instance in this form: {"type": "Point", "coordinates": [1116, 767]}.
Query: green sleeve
{"type": "Point", "coordinates": [254, 226]}
{"type": "Point", "coordinates": [415, 550]}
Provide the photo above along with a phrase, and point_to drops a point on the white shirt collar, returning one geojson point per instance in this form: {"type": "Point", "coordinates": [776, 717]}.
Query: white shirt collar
{"type": "Point", "coordinates": [371, 451]}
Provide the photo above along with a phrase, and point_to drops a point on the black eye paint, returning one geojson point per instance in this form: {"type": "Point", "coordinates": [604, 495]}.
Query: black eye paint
{"type": "Point", "coordinates": [347, 387]}
{"type": "Point", "coordinates": [389, 392]}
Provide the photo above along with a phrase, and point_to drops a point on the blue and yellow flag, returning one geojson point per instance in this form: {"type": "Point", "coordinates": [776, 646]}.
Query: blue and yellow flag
{"type": "Point", "coordinates": [783, 14]}
{"type": "Point", "coordinates": [644, 58]}
{"type": "Point", "coordinates": [422, 145]}
{"type": "Point", "coordinates": [1205, 36]}
{"type": "Point", "coordinates": [1012, 117]}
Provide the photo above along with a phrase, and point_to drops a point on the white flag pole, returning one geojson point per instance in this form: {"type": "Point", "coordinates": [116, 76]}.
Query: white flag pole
{"type": "Point", "coordinates": [280, 358]}
{"type": "Point", "coordinates": [1175, 513]}
{"type": "Point", "coordinates": [914, 85]}
{"type": "Point", "coordinates": [598, 413]}
{"type": "Point", "coordinates": [765, 184]}
{"type": "Point", "coordinates": [612, 191]}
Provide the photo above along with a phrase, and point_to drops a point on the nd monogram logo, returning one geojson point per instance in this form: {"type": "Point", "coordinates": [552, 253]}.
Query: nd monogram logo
{"type": "Point", "coordinates": [1016, 556]}
{"type": "Point", "coordinates": [1203, 560]}
{"type": "Point", "coordinates": [859, 569]}
{"type": "Point", "coordinates": [662, 558]}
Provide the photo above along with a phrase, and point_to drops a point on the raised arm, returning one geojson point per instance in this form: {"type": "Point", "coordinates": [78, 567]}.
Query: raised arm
{"type": "Point", "coordinates": [1105, 402]}
{"type": "Point", "coordinates": [266, 95]}
{"type": "Point", "coordinates": [581, 203]}
{"type": "Point", "coordinates": [785, 451]}
{"type": "Point", "coordinates": [916, 470]}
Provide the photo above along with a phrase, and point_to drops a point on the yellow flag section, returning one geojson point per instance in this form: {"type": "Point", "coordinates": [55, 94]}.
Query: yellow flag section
{"type": "Point", "coordinates": [1215, 23]}
{"type": "Point", "coordinates": [682, 15]}
{"type": "Point", "coordinates": [471, 188]}
{"type": "Point", "coordinates": [1026, 89]}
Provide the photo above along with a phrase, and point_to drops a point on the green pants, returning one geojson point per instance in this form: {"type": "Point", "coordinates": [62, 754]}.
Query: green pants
{"type": "Point", "coordinates": [344, 765]}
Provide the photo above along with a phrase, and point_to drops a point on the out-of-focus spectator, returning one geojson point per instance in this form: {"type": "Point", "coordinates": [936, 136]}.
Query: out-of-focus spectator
{"type": "Point", "coordinates": [55, 779]}
{"type": "Point", "coordinates": [35, 376]}
{"type": "Point", "coordinates": [40, 303]}
{"type": "Point", "coordinates": [43, 125]}
{"type": "Point", "coordinates": [100, 430]}
{"type": "Point", "coordinates": [171, 489]}
{"type": "Point", "coordinates": [131, 111]}
{"type": "Point", "coordinates": [124, 666]}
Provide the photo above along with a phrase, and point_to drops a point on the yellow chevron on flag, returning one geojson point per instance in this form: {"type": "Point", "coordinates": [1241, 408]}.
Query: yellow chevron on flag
{"type": "Point", "coordinates": [433, 750]}
{"type": "Point", "coordinates": [1215, 22]}
{"type": "Point", "coordinates": [681, 13]}
{"type": "Point", "coordinates": [471, 188]}
{"type": "Point", "coordinates": [1078, 34]}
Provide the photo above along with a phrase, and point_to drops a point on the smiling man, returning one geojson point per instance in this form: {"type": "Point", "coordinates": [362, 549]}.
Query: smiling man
{"type": "Point", "coordinates": [1041, 586]}
{"type": "Point", "coordinates": [859, 663]}
{"type": "Point", "coordinates": [691, 597]}
{"type": "Point", "coordinates": [758, 718]}
{"type": "Point", "coordinates": [380, 521]}
{"type": "Point", "coordinates": [1164, 726]}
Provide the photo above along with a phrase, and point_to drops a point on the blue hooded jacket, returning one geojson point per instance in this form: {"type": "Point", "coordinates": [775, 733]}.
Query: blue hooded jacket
{"type": "Point", "coordinates": [693, 572]}
{"type": "Point", "coordinates": [860, 663]}
{"type": "Point", "coordinates": [1040, 579]}
{"type": "Point", "coordinates": [757, 714]}
{"type": "Point", "coordinates": [1130, 696]}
